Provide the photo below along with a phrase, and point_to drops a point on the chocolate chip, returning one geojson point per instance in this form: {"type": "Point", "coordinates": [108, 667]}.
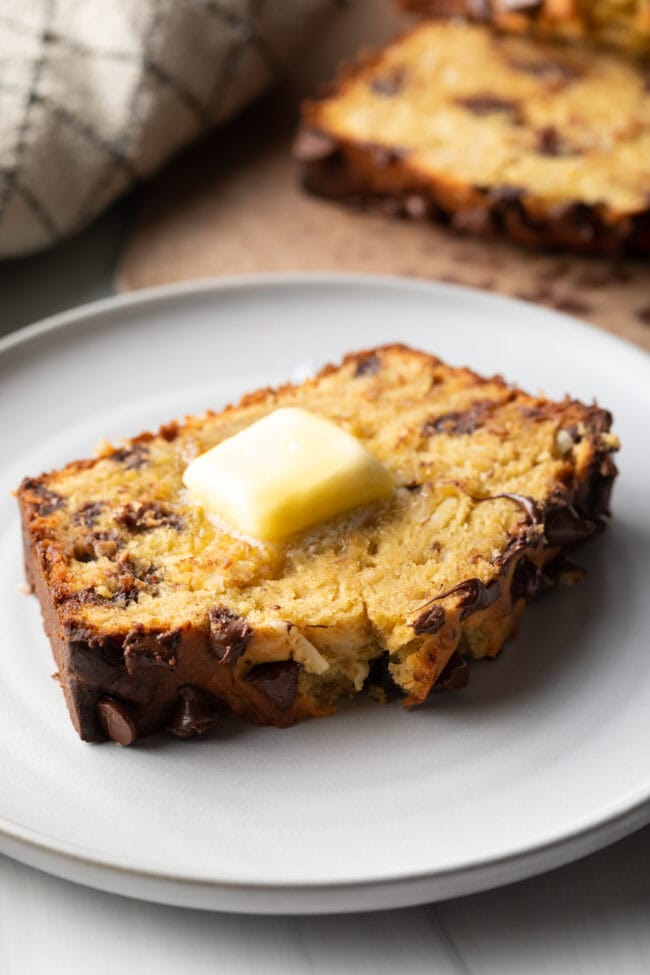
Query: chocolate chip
{"type": "Point", "coordinates": [43, 500]}
{"type": "Point", "coordinates": [124, 595]}
{"type": "Point", "coordinates": [88, 513]}
{"type": "Point", "coordinates": [132, 457]}
{"type": "Point", "coordinates": [454, 676]}
{"type": "Point", "coordinates": [487, 104]}
{"type": "Point", "coordinates": [556, 73]}
{"type": "Point", "coordinates": [229, 634]}
{"type": "Point", "coordinates": [457, 424]}
{"type": "Point", "coordinates": [116, 718]}
{"type": "Point", "coordinates": [96, 546]}
{"type": "Point", "coordinates": [104, 548]}
{"type": "Point", "coordinates": [430, 621]}
{"type": "Point", "coordinates": [195, 713]}
{"type": "Point", "coordinates": [277, 680]}
{"type": "Point", "coordinates": [380, 677]}
{"type": "Point", "coordinates": [529, 580]}
{"type": "Point", "coordinates": [367, 365]}
{"type": "Point", "coordinates": [390, 84]}
{"type": "Point", "coordinates": [529, 504]}
{"type": "Point", "coordinates": [477, 596]}
{"type": "Point", "coordinates": [146, 516]}
{"type": "Point", "coordinates": [563, 526]}
{"type": "Point", "coordinates": [413, 486]}
{"type": "Point", "coordinates": [313, 146]}
{"type": "Point", "coordinates": [551, 143]}
{"type": "Point", "coordinates": [600, 488]}
{"type": "Point", "coordinates": [474, 597]}
{"type": "Point", "coordinates": [94, 658]}
{"type": "Point", "coordinates": [150, 648]}
{"type": "Point", "coordinates": [526, 580]}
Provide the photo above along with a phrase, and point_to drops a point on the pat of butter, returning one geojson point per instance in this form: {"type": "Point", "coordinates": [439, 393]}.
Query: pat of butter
{"type": "Point", "coordinates": [284, 473]}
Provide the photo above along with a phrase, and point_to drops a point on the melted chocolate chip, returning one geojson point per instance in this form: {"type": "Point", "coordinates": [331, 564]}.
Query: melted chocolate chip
{"type": "Point", "coordinates": [430, 621]}
{"type": "Point", "coordinates": [132, 457]}
{"type": "Point", "coordinates": [389, 85]}
{"type": "Point", "coordinates": [529, 504]}
{"type": "Point", "coordinates": [44, 501]}
{"type": "Point", "coordinates": [144, 648]}
{"type": "Point", "coordinates": [146, 516]}
{"type": "Point", "coordinates": [96, 546]}
{"type": "Point", "coordinates": [526, 580]}
{"type": "Point", "coordinates": [563, 526]}
{"type": "Point", "coordinates": [93, 657]}
{"type": "Point", "coordinates": [551, 143]}
{"type": "Point", "coordinates": [195, 713]}
{"type": "Point", "coordinates": [413, 486]}
{"type": "Point", "coordinates": [487, 104]}
{"type": "Point", "coordinates": [556, 73]}
{"type": "Point", "coordinates": [117, 720]}
{"type": "Point", "coordinates": [454, 676]}
{"type": "Point", "coordinates": [529, 539]}
{"type": "Point", "coordinates": [367, 365]}
{"type": "Point", "coordinates": [229, 634]}
{"type": "Point", "coordinates": [474, 597]}
{"type": "Point", "coordinates": [88, 513]}
{"type": "Point", "coordinates": [457, 424]}
{"type": "Point", "coordinates": [277, 680]}
{"type": "Point", "coordinates": [529, 581]}
{"type": "Point", "coordinates": [600, 489]}
{"type": "Point", "coordinates": [124, 595]}
{"type": "Point", "coordinates": [379, 676]}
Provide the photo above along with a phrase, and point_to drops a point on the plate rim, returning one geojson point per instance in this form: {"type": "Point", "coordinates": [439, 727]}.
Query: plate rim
{"type": "Point", "coordinates": [627, 815]}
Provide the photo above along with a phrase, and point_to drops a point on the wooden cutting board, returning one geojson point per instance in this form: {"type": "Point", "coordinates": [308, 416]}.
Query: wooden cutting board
{"type": "Point", "coordinates": [234, 204]}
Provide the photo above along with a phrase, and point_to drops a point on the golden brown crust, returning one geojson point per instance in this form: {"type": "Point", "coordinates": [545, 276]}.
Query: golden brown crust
{"type": "Point", "coordinates": [390, 175]}
{"type": "Point", "coordinates": [136, 673]}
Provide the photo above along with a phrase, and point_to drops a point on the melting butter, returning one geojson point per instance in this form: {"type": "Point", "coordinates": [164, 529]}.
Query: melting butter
{"type": "Point", "coordinates": [290, 470]}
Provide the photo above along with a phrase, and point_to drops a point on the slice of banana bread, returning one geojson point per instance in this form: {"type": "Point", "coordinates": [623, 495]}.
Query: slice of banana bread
{"type": "Point", "coordinates": [620, 24]}
{"type": "Point", "coordinates": [547, 143]}
{"type": "Point", "coordinates": [159, 617]}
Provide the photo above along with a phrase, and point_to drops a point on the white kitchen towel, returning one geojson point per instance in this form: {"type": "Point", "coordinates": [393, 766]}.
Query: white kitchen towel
{"type": "Point", "coordinates": [96, 94]}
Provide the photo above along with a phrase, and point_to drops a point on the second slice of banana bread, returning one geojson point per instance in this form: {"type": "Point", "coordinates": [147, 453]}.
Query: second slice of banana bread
{"type": "Point", "coordinates": [546, 143]}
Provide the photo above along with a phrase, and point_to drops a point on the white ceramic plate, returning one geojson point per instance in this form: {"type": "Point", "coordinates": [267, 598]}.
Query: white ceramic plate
{"type": "Point", "coordinates": [542, 759]}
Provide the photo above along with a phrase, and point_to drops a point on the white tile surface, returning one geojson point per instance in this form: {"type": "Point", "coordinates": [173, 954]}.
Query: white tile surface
{"type": "Point", "coordinates": [590, 918]}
